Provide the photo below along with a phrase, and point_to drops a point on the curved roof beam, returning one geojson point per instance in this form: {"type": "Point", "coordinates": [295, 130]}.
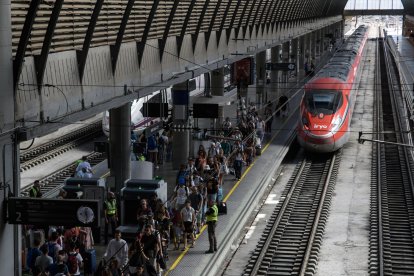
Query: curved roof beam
{"type": "Point", "coordinates": [223, 21]}
{"type": "Point", "coordinates": [40, 61]}
{"type": "Point", "coordinates": [241, 19]}
{"type": "Point", "coordinates": [248, 17]}
{"type": "Point", "coordinates": [266, 17]}
{"type": "Point", "coordinates": [115, 48]}
{"type": "Point", "coordinates": [200, 22]}
{"type": "Point", "coordinates": [24, 40]}
{"type": "Point", "coordinates": [233, 18]}
{"type": "Point", "coordinates": [184, 28]}
{"type": "Point", "coordinates": [161, 42]}
{"type": "Point", "coordinates": [255, 16]}
{"type": "Point", "coordinates": [213, 19]}
{"type": "Point", "coordinates": [141, 44]}
{"type": "Point", "coordinates": [82, 55]}
{"type": "Point", "coordinates": [273, 16]}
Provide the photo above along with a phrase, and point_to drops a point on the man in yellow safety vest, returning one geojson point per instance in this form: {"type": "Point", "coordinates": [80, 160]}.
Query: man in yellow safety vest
{"type": "Point", "coordinates": [211, 215]}
{"type": "Point", "coordinates": [111, 215]}
{"type": "Point", "coordinates": [35, 190]}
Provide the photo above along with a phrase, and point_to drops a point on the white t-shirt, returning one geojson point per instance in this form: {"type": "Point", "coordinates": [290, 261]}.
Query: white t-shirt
{"type": "Point", "coordinates": [121, 247]}
{"type": "Point", "coordinates": [182, 193]}
{"type": "Point", "coordinates": [187, 214]}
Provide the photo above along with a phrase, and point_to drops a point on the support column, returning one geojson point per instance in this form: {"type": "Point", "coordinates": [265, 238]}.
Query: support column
{"type": "Point", "coordinates": [318, 43]}
{"type": "Point", "coordinates": [120, 144]}
{"type": "Point", "coordinates": [10, 235]}
{"type": "Point", "coordinates": [207, 85]}
{"type": "Point", "coordinates": [217, 82]}
{"type": "Point", "coordinates": [313, 46]}
{"type": "Point", "coordinates": [286, 57]}
{"type": "Point", "coordinates": [217, 89]}
{"type": "Point", "coordinates": [324, 41]}
{"type": "Point", "coordinates": [308, 47]}
{"type": "Point", "coordinates": [294, 58]}
{"type": "Point", "coordinates": [275, 75]}
{"type": "Point", "coordinates": [260, 76]}
{"type": "Point", "coordinates": [181, 135]}
{"type": "Point", "coordinates": [302, 50]}
{"type": "Point", "coordinates": [342, 28]}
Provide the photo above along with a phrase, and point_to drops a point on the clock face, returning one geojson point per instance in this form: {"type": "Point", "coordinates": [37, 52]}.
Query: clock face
{"type": "Point", "coordinates": [85, 214]}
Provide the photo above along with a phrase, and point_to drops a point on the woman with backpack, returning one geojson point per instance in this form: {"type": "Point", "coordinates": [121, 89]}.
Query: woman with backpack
{"type": "Point", "coordinates": [152, 147]}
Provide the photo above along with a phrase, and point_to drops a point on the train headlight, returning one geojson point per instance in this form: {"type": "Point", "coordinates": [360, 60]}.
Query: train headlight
{"type": "Point", "coordinates": [336, 123]}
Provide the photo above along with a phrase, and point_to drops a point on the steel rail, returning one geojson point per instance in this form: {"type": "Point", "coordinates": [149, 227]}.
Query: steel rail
{"type": "Point", "coordinates": [379, 156]}
{"type": "Point", "coordinates": [290, 237]}
{"type": "Point", "coordinates": [315, 226]}
{"type": "Point", "coordinates": [257, 265]}
{"type": "Point", "coordinates": [51, 184]}
{"type": "Point", "coordinates": [390, 222]}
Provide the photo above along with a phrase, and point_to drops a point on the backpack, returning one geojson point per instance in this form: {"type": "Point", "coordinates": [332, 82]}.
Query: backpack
{"type": "Point", "coordinates": [152, 144]}
{"type": "Point", "coordinates": [52, 250]}
{"type": "Point", "coordinates": [161, 141]}
{"type": "Point", "coordinates": [72, 263]}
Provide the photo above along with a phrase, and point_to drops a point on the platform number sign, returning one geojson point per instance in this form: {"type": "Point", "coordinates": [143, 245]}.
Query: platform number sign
{"type": "Point", "coordinates": [44, 211]}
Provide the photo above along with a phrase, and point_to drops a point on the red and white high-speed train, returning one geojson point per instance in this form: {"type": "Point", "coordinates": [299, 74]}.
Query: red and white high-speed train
{"type": "Point", "coordinates": [327, 104]}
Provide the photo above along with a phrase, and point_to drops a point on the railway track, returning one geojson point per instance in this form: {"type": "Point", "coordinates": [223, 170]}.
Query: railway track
{"type": "Point", "coordinates": [37, 155]}
{"type": "Point", "coordinates": [51, 184]}
{"type": "Point", "coordinates": [392, 201]}
{"type": "Point", "coordinates": [291, 240]}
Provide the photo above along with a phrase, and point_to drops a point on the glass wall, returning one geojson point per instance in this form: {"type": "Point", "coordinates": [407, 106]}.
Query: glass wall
{"type": "Point", "coordinates": [374, 5]}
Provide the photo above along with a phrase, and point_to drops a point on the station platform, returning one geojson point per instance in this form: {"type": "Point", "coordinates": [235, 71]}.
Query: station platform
{"type": "Point", "coordinates": [242, 196]}
{"type": "Point", "coordinates": [405, 47]}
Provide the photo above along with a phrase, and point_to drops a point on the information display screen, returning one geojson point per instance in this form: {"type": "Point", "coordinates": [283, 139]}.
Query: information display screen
{"type": "Point", "coordinates": [155, 110]}
{"type": "Point", "coordinates": [205, 111]}
{"type": "Point", "coordinates": [62, 212]}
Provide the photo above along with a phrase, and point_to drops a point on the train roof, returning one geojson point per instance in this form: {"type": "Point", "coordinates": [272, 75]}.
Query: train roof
{"type": "Point", "coordinates": [337, 71]}
{"type": "Point", "coordinates": [341, 62]}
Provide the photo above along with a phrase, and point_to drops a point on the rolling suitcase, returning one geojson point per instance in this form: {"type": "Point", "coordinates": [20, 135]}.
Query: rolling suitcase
{"type": "Point", "coordinates": [222, 208]}
{"type": "Point", "coordinates": [90, 261]}
{"type": "Point", "coordinates": [258, 150]}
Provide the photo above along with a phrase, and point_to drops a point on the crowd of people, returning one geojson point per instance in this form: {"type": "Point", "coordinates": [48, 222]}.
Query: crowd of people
{"type": "Point", "coordinates": [197, 198]}
{"type": "Point", "coordinates": [63, 252]}
{"type": "Point", "coordinates": [162, 227]}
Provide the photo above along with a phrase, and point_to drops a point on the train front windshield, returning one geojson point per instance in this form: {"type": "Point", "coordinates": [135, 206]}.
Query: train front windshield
{"type": "Point", "coordinates": [323, 101]}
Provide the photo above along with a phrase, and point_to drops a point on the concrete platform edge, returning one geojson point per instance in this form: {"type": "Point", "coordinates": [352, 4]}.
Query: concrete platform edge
{"type": "Point", "coordinates": [218, 259]}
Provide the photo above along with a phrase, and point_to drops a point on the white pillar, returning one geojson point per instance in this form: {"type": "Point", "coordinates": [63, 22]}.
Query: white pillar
{"type": "Point", "coordinates": [10, 237]}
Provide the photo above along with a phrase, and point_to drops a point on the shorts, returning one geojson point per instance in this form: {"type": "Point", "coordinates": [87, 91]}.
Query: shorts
{"type": "Point", "coordinates": [177, 231]}
{"type": "Point", "coordinates": [188, 227]}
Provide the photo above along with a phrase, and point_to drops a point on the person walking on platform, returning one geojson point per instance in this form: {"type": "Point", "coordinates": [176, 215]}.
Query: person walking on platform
{"type": "Point", "coordinates": [111, 215]}
{"type": "Point", "coordinates": [152, 148]}
{"type": "Point", "coordinates": [117, 249]}
{"type": "Point", "coordinates": [35, 190]}
{"type": "Point", "coordinates": [212, 214]}
{"type": "Point", "coordinates": [238, 160]}
{"type": "Point", "coordinates": [189, 220]}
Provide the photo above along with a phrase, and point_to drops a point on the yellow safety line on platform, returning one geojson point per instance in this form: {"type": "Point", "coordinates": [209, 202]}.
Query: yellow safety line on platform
{"type": "Point", "coordinates": [178, 260]}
